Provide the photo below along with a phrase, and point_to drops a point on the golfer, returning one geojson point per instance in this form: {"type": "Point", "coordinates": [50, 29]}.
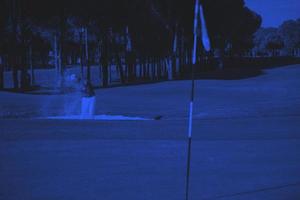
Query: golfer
{"type": "Point", "coordinates": [88, 101]}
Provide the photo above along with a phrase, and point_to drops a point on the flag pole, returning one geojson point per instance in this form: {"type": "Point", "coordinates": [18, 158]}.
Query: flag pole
{"type": "Point", "coordinates": [190, 128]}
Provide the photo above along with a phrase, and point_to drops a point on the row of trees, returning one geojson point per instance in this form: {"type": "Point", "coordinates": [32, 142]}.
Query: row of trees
{"type": "Point", "coordinates": [154, 34]}
{"type": "Point", "coordinates": [284, 40]}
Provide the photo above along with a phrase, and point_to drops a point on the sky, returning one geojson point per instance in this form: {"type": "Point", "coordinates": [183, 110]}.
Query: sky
{"type": "Point", "coordinates": [274, 12]}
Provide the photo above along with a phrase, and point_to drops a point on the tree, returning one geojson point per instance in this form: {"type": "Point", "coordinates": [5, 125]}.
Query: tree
{"type": "Point", "coordinates": [268, 40]}
{"type": "Point", "coordinates": [274, 47]}
{"type": "Point", "coordinates": [2, 42]}
{"type": "Point", "coordinates": [230, 23]}
{"type": "Point", "coordinates": [290, 32]}
{"type": "Point", "coordinates": [155, 26]}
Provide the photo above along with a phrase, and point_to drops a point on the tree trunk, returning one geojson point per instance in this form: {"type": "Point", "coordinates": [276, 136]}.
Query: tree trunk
{"type": "Point", "coordinates": [81, 57]}
{"type": "Point", "coordinates": [130, 61]}
{"type": "Point", "coordinates": [146, 77]}
{"type": "Point", "coordinates": [120, 68]}
{"type": "Point", "coordinates": [172, 69]}
{"type": "Point", "coordinates": [145, 68]}
{"type": "Point", "coordinates": [219, 57]}
{"type": "Point", "coordinates": [15, 72]}
{"type": "Point", "coordinates": [104, 75]}
{"type": "Point", "coordinates": [88, 77]}
{"type": "Point", "coordinates": [25, 82]}
{"type": "Point", "coordinates": [32, 75]}
{"type": "Point", "coordinates": [181, 57]}
{"type": "Point", "coordinates": [144, 65]}
{"type": "Point", "coordinates": [104, 60]}
{"type": "Point", "coordinates": [174, 65]}
{"type": "Point", "coordinates": [159, 69]}
{"type": "Point", "coordinates": [1, 73]}
{"type": "Point", "coordinates": [140, 69]}
{"type": "Point", "coordinates": [155, 69]}
{"type": "Point", "coordinates": [62, 49]}
{"type": "Point", "coordinates": [55, 57]}
{"type": "Point", "coordinates": [170, 73]}
{"type": "Point", "coordinates": [60, 68]}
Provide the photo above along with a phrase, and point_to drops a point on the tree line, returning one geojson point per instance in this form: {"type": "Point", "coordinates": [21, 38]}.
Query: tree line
{"type": "Point", "coordinates": [281, 41]}
{"type": "Point", "coordinates": [151, 38]}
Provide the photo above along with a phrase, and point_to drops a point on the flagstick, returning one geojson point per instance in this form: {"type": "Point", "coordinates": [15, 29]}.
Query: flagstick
{"type": "Point", "coordinates": [191, 102]}
{"type": "Point", "coordinates": [190, 135]}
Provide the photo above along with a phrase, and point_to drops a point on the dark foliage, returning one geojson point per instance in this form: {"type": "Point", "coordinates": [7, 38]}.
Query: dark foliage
{"type": "Point", "coordinates": [152, 25]}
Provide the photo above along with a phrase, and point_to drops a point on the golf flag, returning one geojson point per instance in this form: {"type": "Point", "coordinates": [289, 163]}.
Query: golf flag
{"type": "Point", "coordinates": [204, 33]}
{"type": "Point", "coordinates": [195, 32]}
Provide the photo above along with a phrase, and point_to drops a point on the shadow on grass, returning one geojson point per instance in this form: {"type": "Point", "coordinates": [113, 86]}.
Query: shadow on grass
{"type": "Point", "coordinates": [37, 90]}
{"type": "Point", "coordinates": [228, 73]}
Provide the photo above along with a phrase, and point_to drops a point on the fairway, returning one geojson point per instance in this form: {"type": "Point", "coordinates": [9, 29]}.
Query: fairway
{"type": "Point", "coordinates": [246, 142]}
